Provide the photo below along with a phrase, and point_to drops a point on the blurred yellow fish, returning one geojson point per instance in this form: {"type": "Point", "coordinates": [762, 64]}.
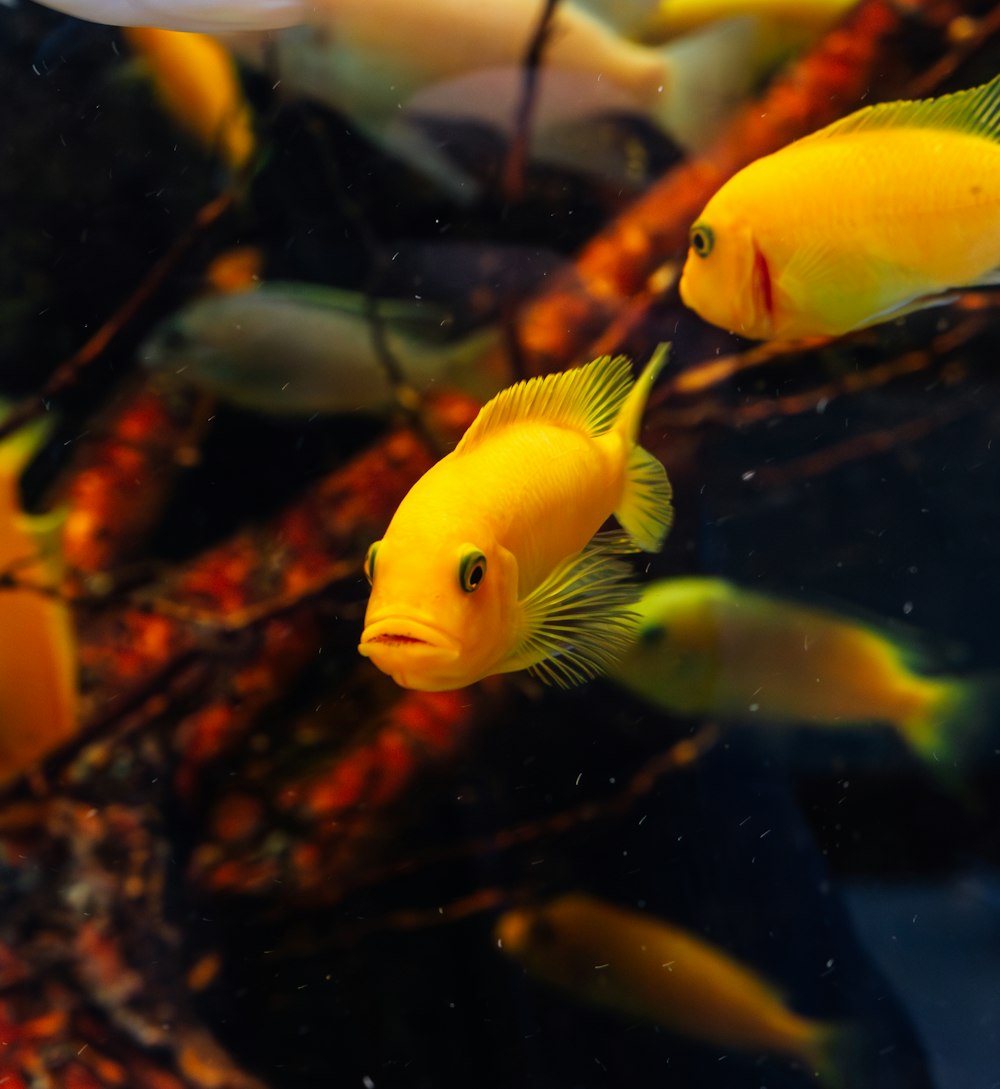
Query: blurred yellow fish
{"type": "Point", "coordinates": [877, 215]}
{"type": "Point", "coordinates": [707, 647]}
{"type": "Point", "coordinates": [38, 696]}
{"type": "Point", "coordinates": [682, 16]}
{"type": "Point", "coordinates": [198, 85]}
{"type": "Point", "coordinates": [646, 968]}
{"type": "Point", "coordinates": [490, 563]}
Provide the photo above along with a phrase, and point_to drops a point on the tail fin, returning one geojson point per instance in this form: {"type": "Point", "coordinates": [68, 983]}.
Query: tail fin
{"type": "Point", "coordinates": [710, 73]}
{"type": "Point", "coordinates": [17, 450]}
{"type": "Point", "coordinates": [646, 512]}
{"type": "Point", "coordinates": [837, 1055]}
{"type": "Point", "coordinates": [952, 729]}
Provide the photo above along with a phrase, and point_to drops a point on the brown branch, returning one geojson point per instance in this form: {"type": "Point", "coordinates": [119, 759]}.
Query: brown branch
{"type": "Point", "coordinates": [68, 372]}
{"type": "Point", "coordinates": [514, 164]}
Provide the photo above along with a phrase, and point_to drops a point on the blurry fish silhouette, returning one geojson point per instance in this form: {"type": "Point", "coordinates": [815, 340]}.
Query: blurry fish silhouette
{"type": "Point", "coordinates": [708, 647]}
{"type": "Point", "coordinates": [38, 697]}
{"type": "Point", "coordinates": [645, 967]}
{"type": "Point", "coordinates": [296, 349]}
{"type": "Point", "coordinates": [207, 16]}
{"type": "Point", "coordinates": [782, 26]}
{"type": "Point", "coordinates": [199, 87]}
{"type": "Point", "coordinates": [389, 66]}
{"type": "Point", "coordinates": [882, 213]}
{"type": "Point", "coordinates": [490, 563]}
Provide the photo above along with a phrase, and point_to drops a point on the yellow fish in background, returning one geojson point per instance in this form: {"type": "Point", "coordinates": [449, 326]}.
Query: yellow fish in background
{"type": "Point", "coordinates": [490, 564]}
{"type": "Point", "coordinates": [38, 695]}
{"type": "Point", "coordinates": [672, 17]}
{"type": "Point", "coordinates": [198, 85]}
{"type": "Point", "coordinates": [706, 647]}
{"type": "Point", "coordinates": [877, 215]}
{"type": "Point", "coordinates": [644, 967]}
{"type": "Point", "coordinates": [784, 27]}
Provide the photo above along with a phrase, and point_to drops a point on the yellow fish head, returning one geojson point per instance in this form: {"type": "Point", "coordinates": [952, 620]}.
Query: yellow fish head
{"type": "Point", "coordinates": [726, 278]}
{"type": "Point", "coordinates": [442, 614]}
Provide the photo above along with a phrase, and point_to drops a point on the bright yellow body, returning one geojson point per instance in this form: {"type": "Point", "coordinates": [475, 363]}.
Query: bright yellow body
{"type": "Point", "coordinates": [198, 85]}
{"type": "Point", "coordinates": [842, 230]}
{"type": "Point", "coordinates": [682, 16]}
{"type": "Point", "coordinates": [542, 468]}
{"type": "Point", "coordinates": [529, 497]}
{"type": "Point", "coordinates": [644, 967]}
{"type": "Point", "coordinates": [38, 697]}
{"type": "Point", "coordinates": [707, 647]}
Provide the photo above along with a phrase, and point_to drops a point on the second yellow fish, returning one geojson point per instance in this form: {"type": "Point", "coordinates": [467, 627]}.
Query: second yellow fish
{"type": "Point", "coordinates": [884, 212]}
{"type": "Point", "coordinates": [491, 564]}
{"type": "Point", "coordinates": [198, 85]}
{"type": "Point", "coordinates": [646, 967]}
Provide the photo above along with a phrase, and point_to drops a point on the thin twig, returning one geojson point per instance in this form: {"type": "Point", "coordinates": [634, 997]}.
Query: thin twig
{"type": "Point", "coordinates": [513, 172]}
{"type": "Point", "coordinates": [67, 373]}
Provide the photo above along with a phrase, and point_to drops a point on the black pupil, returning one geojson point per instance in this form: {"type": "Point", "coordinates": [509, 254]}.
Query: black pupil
{"type": "Point", "coordinates": [700, 241]}
{"type": "Point", "coordinates": [476, 575]}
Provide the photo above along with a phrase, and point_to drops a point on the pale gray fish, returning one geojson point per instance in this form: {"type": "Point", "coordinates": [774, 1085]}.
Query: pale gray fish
{"type": "Point", "coordinates": [296, 349]}
{"type": "Point", "coordinates": [205, 16]}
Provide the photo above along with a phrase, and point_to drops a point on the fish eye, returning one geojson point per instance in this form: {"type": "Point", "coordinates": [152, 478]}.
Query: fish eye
{"type": "Point", "coordinates": [370, 561]}
{"type": "Point", "coordinates": [702, 239]}
{"type": "Point", "coordinates": [471, 568]}
{"type": "Point", "coordinates": [652, 635]}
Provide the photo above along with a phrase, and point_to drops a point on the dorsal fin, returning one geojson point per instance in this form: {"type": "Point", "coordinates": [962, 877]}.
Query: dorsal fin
{"type": "Point", "coordinates": [975, 112]}
{"type": "Point", "coordinates": [586, 398]}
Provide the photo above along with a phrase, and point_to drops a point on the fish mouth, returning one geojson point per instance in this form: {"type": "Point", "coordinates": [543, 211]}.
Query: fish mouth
{"type": "Point", "coordinates": [404, 632]}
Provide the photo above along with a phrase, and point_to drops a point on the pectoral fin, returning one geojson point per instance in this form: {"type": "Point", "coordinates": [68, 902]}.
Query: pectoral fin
{"type": "Point", "coordinates": [579, 621]}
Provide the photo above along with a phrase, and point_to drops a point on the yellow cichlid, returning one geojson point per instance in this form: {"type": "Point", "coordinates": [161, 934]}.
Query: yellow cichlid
{"type": "Point", "coordinates": [38, 698]}
{"type": "Point", "coordinates": [490, 564]}
{"type": "Point", "coordinates": [801, 19]}
{"type": "Point", "coordinates": [783, 27]}
{"type": "Point", "coordinates": [197, 83]}
{"type": "Point", "coordinates": [646, 968]}
{"type": "Point", "coordinates": [877, 215]}
{"type": "Point", "coordinates": [707, 647]}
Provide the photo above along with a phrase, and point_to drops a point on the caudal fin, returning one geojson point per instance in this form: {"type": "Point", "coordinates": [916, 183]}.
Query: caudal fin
{"type": "Point", "coordinates": [23, 444]}
{"type": "Point", "coordinates": [954, 727]}
{"type": "Point", "coordinates": [710, 73]}
{"type": "Point", "coordinates": [646, 511]}
{"type": "Point", "coordinates": [838, 1056]}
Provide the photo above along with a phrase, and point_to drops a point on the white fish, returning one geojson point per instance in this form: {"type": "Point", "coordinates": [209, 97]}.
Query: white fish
{"type": "Point", "coordinates": [386, 65]}
{"type": "Point", "coordinates": [207, 16]}
{"type": "Point", "coordinates": [296, 349]}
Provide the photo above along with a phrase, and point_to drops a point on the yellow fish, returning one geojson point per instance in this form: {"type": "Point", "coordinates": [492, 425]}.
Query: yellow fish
{"type": "Point", "coordinates": [782, 28]}
{"type": "Point", "coordinates": [799, 20]}
{"type": "Point", "coordinates": [38, 696]}
{"type": "Point", "coordinates": [646, 968]}
{"type": "Point", "coordinates": [707, 647]}
{"type": "Point", "coordinates": [198, 85]}
{"type": "Point", "coordinates": [490, 564]}
{"type": "Point", "coordinates": [877, 215]}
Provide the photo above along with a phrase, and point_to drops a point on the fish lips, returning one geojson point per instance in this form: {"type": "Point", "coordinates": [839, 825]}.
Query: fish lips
{"type": "Point", "coordinates": [404, 647]}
